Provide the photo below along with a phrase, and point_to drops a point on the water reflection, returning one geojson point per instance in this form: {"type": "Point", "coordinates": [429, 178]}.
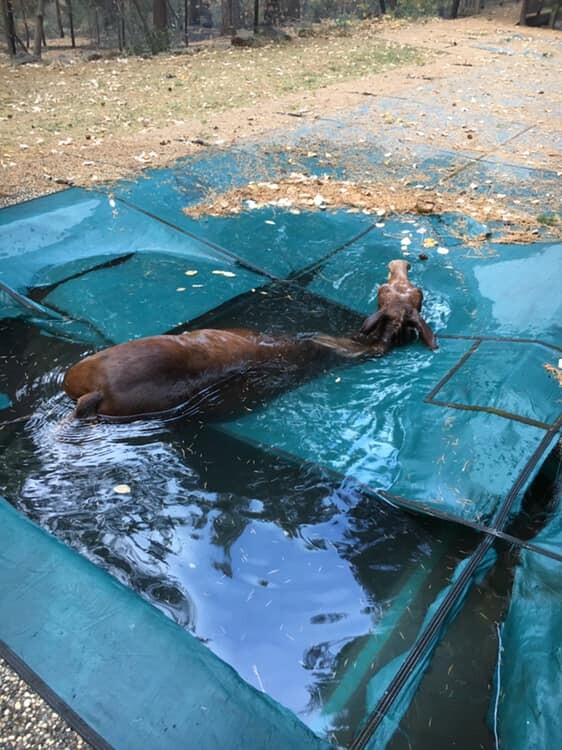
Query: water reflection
{"type": "Point", "coordinates": [286, 574]}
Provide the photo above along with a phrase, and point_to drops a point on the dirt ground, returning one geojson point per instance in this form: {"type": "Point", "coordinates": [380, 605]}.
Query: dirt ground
{"type": "Point", "coordinates": [83, 122]}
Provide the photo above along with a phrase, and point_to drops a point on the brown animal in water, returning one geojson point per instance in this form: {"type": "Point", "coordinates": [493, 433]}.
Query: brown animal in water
{"type": "Point", "coordinates": [214, 374]}
{"type": "Point", "coordinates": [398, 318]}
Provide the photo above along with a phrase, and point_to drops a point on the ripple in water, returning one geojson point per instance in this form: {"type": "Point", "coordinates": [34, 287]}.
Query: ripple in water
{"type": "Point", "coordinates": [69, 488]}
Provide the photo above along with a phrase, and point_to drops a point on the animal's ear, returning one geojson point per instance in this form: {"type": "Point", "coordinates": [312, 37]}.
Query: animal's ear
{"type": "Point", "coordinates": [425, 332]}
{"type": "Point", "coordinates": [370, 323]}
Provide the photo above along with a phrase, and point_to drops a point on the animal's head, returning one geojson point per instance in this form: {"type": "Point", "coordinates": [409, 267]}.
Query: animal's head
{"type": "Point", "coordinates": [398, 320]}
{"type": "Point", "coordinates": [398, 269]}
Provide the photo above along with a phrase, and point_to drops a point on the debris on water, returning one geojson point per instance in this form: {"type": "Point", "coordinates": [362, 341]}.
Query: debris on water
{"type": "Point", "coordinates": [423, 256]}
{"type": "Point", "coordinates": [122, 489]}
{"type": "Point", "coordinates": [191, 272]}
{"type": "Point", "coordinates": [425, 205]}
{"type": "Point", "coordinates": [299, 191]}
{"type": "Point", "coordinates": [227, 274]}
{"type": "Point", "coordinates": [556, 372]}
{"type": "Point", "coordinates": [429, 242]}
{"type": "Point", "coordinates": [443, 250]}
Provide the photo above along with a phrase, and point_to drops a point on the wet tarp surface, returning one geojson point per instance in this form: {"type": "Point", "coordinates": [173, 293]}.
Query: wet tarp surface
{"type": "Point", "coordinates": [526, 709]}
{"type": "Point", "coordinates": [112, 641]}
{"type": "Point", "coordinates": [267, 536]}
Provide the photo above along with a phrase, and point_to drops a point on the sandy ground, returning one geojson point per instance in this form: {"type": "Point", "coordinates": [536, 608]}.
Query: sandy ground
{"type": "Point", "coordinates": [86, 122]}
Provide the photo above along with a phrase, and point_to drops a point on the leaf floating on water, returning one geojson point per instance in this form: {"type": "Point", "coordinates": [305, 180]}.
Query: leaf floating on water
{"type": "Point", "coordinates": [180, 289]}
{"type": "Point", "coordinates": [429, 242]}
{"type": "Point", "coordinates": [443, 250]}
{"type": "Point", "coordinates": [191, 272]}
{"type": "Point", "coordinates": [122, 489]}
{"type": "Point", "coordinates": [228, 274]}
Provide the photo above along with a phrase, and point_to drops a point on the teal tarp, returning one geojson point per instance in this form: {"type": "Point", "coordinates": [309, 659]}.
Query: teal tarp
{"type": "Point", "coordinates": [53, 244]}
{"type": "Point", "coordinates": [526, 712]}
{"type": "Point", "coordinates": [135, 677]}
{"type": "Point", "coordinates": [451, 430]}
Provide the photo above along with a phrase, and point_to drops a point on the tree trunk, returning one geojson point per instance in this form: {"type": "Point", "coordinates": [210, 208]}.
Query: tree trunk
{"type": "Point", "coordinates": [256, 15]}
{"type": "Point", "coordinates": [455, 8]}
{"type": "Point", "coordinates": [226, 26]}
{"type": "Point", "coordinates": [9, 26]}
{"type": "Point", "coordinates": [71, 22]}
{"type": "Point", "coordinates": [59, 19]}
{"type": "Point", "coordinates": [293, 10]}
{"type": "Point", "coordinates": [97, 26]}
{"type": "Point", "coordinates": [156, 40]}
{"type": "Point", "coordinates": [230, 16]}
{"type": "Point", "coordinates": [143, 21]}
{"type": "Point", "coordinates": [160, 15]}
{"type": "Point", "coordinates": [272, 13]}
{"type": "Point", "coordinates": [235, 14]}
{"type": "Point", "coordinates": [160, 39]}
{"type": "Point", "coordinates": [120, 9]}
{"type": "Point", "coordinates": [194, 12]}
{"type": "Point", "coordinates": [25, 24]}
{"type": "Point", "coordinates": [38, 29]}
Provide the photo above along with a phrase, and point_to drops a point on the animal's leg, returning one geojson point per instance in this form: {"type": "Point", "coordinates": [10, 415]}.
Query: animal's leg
{"type": "Point", "coordinates": [87, 405]}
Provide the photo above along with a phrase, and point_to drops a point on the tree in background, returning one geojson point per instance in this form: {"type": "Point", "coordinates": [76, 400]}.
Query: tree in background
{"type": "Point", "coordinates": [39, 31]}
{"type": "Point", "coordinates": [230, 16]}
{"type": "Point", "coordinates": [9, 26]}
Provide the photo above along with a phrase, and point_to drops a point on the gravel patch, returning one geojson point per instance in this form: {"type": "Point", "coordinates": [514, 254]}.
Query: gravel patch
{"type": "Point", "coordinates": [27, 722]}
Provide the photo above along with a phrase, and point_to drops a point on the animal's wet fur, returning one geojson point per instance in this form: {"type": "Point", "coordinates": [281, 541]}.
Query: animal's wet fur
{"type": "Point", "coordinates": [215, 373]}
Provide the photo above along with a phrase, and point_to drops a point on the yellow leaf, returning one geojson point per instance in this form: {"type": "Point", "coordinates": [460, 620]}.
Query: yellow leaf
{"type": "Point", "coordinates": [429, 242]}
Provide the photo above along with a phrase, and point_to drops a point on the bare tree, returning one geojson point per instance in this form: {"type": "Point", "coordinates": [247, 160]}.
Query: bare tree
{"type": "Point", "coordinates": [25, 24]}
{"type": "Point", "coordinates": [38, 29]}
{"type": "Point", "coordinates": [193, 12]}
{"type": "Point", "coordinates": [71, 22]}
{"type": "Point", "coordinates": [59, 19]}
{"type": "Point", "coordinates": [272, 14]}
{"type": "Point", "coordinates": [230, 16]}
{"type": "Point", "coordinates": [160, 15]}
{"type": "Point", "coordinates": [9, 26]}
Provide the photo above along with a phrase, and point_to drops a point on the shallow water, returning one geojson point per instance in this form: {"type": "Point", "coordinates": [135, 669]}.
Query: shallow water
{"type": "Point", "coordinates": [297, 578]}
{"type": "Point", "coordinates": [284, 571]}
